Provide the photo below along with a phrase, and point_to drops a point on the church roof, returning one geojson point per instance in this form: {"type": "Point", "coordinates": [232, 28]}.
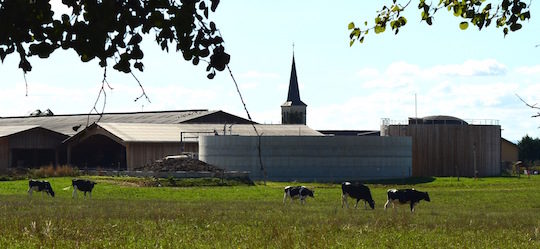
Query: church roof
{"type": "Point", "coordinates": [293, 97]}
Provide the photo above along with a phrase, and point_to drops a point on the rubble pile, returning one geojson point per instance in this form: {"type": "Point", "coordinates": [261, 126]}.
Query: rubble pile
{"type": "Point", "coordinates": [179, 163]}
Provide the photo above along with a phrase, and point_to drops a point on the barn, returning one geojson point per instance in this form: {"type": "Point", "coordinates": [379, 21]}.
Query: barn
{"type": "Point", "coordinates": [29, 145]}
{"type": "Point", "coordinates": [34, 141]}
{"type": "Point", "coordinates": [450, 146]}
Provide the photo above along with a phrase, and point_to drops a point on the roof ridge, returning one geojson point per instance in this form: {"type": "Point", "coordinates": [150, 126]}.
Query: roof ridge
{"type": "Point", "coordinates": [108, 113]}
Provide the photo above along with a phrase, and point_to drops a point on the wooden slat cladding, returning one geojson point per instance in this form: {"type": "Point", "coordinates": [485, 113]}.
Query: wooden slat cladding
{"type": "Point", "coordinates": [139, 154]}
{"type": "Point", "coordinates": [4, 153]}
{"type": "Point", "coordinates": [36, 139]}
{"type": "Point", "coordinates": [449, 150]}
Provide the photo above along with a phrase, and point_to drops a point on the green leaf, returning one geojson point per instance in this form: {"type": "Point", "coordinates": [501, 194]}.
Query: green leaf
{"type": "Point", "coordinates": [351, 25]}
{"type": "Point", "coordinates": [515, 26]}
{"type": "Point", "coordinates": [463, 25]}
{"type": "Point", "coordinates": [379, 29]}
{"type": "Point", "coordinates": [351, 43]}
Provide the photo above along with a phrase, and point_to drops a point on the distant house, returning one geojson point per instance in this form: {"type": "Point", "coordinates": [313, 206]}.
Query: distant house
{"type": "Point", "coordinates": [509, 153]}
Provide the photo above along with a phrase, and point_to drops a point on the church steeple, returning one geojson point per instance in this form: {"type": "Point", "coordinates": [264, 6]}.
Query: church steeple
{"type": "Point", "coordinates": [294, 93]}
{"type": "Point", "coordinates": [293, 111]}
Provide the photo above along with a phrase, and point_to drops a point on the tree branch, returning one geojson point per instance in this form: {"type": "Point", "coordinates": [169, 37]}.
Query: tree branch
{"type": "Point", "coordinates": [533, 106]}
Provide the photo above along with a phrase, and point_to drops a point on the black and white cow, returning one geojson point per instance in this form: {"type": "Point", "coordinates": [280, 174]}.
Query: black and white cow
{"type": "Point", "coordinates": [358, 192]}
{"type": "Point", "coordinates": [40, 186]}
{"type": "Point", "coordinates": [82, 185]}
{"type": "Point", "coordinates": [297, 192]}
{"type": "Point", "coordinates": [404, 196]}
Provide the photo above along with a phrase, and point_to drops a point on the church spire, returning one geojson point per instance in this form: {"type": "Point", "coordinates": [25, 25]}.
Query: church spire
{"type": "Point", "coordinates": [294, 93]}
{"type": "Point", "coordinates": [293, 111]}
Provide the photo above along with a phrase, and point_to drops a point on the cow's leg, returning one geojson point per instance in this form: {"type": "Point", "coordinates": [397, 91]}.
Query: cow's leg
{"type": "Point", "coordinates": [365, 204]}
{"type": "Point", "coordinates": [302, 200]}
{"type": "Point", "coordinates": [29, 191]}
{"type": "Point", "coordinates": [74, 194]}
{"type": "Point", "coordinates": [344, 200]}
{"type": "Point", "coordinates": [412, 206]}
{"type": "Point", "coordinates": [90, 194]}
{"type": "Point", "coordinates": [386, 204]}
{"type": "Point", "coordinates": [284, 198]}
{"type": "Point", "coordinates": [356, 205]}
{"type": "Point", "coordinates": [85, 194]}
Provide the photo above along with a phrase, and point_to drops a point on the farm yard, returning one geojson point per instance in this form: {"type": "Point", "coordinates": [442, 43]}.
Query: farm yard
{"type": "Point", "coordinates": [502, 212]}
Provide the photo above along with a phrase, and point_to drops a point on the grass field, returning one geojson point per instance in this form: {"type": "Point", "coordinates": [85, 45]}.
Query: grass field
{"type": "Point", "coordinates": [487, 213]}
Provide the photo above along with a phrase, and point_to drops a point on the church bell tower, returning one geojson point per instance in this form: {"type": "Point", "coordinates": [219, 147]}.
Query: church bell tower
{"type": "Point", "coordinates": [293, 111]}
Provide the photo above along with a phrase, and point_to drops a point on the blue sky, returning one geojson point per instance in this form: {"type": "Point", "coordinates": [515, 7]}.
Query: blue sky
{"type": "Point", "coordinates": [467, 74]}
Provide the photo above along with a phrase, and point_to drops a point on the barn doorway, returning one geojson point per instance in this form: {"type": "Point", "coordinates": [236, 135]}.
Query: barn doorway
{"type": "Point", "coordinates": [99, 152]}
{"type": "Point", "coordinates": [32, 158]}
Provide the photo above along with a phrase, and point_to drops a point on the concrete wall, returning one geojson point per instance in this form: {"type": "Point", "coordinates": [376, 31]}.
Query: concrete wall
{"type": "Point", "coordinates": [322, 159]}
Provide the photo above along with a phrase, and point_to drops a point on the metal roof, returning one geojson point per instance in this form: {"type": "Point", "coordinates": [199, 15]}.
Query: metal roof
{"type": "Point", "coordinates": [144, 132]}
{"type": "Point", "coordinates": [10, 130]}
{"type": "Point", "coordinates": [66, 124]}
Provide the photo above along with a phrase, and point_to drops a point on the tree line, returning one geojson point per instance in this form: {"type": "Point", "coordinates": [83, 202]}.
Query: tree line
{"type": "Point", "coordinates": [529, 149]}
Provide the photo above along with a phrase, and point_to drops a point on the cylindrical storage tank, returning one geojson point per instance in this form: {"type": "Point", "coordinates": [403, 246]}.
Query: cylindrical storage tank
{"type": "Point", "coordinates": [305, 158]}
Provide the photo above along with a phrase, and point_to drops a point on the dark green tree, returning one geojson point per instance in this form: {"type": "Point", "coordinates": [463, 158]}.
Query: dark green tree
{"type": "Point", "coordinates": [112, 30]}
{"type": "Point", "coordinates": [529, 149]}
{"type": "Point", "coordinates": [506, 14]}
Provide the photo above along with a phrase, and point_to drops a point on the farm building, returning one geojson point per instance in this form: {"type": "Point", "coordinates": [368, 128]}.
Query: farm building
{"type": "Point", "coordinates": [449, 146]}
{"type": "Point", "coordinates": [310, 158]}
{"type": "Point", "coordinates": [35, 141]}
{"type": "Point", "coordinates": [131, 145]}
{"type": "Point", "coordinates": [509, 154]}
{"type": "Point", "coordinates": [28, 145]}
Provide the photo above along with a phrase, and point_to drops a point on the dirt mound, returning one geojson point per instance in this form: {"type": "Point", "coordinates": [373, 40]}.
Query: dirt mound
{"type": "Point", "coordinates": [179, 163]}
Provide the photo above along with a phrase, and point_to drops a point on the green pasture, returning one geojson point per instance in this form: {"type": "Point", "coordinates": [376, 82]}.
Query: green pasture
{"type": "Point", "coordinates": [484, 213]}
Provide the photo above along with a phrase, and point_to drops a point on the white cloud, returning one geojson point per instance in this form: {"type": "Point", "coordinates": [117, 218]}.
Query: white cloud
{"type": "Point", "coordinates": [488, 67]}
{"type": "Point", "coordinates": [529, 70]}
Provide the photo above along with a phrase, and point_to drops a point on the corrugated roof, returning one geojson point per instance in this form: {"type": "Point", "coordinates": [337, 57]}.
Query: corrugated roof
{"type": "Point", "coordinates": [65, 123]}
{"type": "Point", "coordinates": [10, 130]}
{"type": "Point", "coordinates": [143, 132]}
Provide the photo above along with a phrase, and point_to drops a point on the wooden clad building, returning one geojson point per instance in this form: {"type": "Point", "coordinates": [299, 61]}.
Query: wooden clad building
{"type": "Point", "coordinates": [448, 146]}
{"type": "Point", "coordinates": [29, 146]}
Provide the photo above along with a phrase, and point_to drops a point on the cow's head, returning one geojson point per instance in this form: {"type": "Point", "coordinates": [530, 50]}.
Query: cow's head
{"type": "Point", "coordinates": [371, 204]}
{"type": "Point", "coordinates": [49, 189]}
{"type": "Point", "coordinates": [311, 193]}
{"type": "Point", "coordinates": [426, 196]}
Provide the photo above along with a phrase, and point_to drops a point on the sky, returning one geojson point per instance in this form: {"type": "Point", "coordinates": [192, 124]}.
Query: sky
{"type": "Point", "coordinates": [467, 74]}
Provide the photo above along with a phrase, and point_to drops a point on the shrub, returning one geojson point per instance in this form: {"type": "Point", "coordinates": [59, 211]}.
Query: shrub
{"type": "Point", "coordinates": [51, 171]}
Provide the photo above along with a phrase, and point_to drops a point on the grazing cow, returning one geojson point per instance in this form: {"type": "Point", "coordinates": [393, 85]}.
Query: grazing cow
{"type": "Point", "coordinates": [358, 192]}
{"type": "Point", "coordinates": [40, 186]}
{"type": "Point", "coordinates": [404, 196]}
{"type": "Point", "coordinates": [82, 185]}
{"type": "Point", "coordinates": [297, 192]}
